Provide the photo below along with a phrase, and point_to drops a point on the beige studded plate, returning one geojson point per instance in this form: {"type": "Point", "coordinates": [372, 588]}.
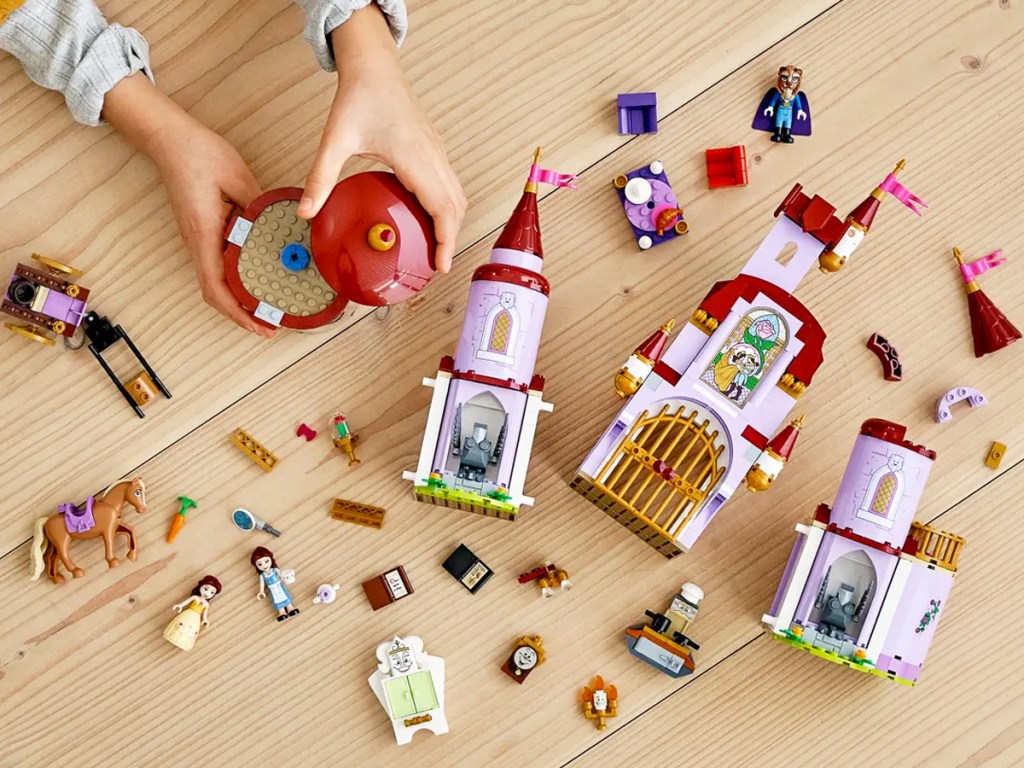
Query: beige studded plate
{"type": "Point", "coordinates": [262, 279]}
{"type": "Point", "coordinates": [301, 293]}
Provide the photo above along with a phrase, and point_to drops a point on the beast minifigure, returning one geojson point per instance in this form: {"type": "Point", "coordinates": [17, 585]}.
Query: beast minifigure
{"type": "Point", "coordinates": [775, 112]}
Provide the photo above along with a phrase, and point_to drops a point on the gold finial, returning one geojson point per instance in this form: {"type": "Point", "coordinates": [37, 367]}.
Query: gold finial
{"type": "Point", "coordinates": [878, 193]}
{"type": "Point", "coordinates": [531, 185]}
{"type": "Point", "coordinates": [667, 327]}
{"type": "Point", "coordinates": [798, 422]}
{"type": "Point", "coordinates": [970, 286]}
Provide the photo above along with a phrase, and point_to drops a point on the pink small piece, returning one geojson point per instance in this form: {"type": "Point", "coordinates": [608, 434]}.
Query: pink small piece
{"type": "Point", "coordinates": [893, 187]}
{"type": "Point", "coordinates": [980, 266]}
{"type": "Point", "coordinates": [306, 432]}
{"type": "Point", "coordinates": [543, 175]}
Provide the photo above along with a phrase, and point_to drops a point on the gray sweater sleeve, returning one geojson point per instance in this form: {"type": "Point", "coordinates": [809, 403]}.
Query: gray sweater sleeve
{"type": "Point", "coordinates": [67, 46]}
{"type": "Point", "coordinates": [324, 16]}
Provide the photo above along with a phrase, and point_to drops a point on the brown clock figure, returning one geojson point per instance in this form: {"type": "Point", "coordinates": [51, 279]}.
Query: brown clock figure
{"type": "Point", "coordinates": [527, 654]}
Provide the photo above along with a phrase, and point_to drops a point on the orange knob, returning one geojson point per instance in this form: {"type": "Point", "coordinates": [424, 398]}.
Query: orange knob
{"type": "Point", "coordinates": [381, 237]}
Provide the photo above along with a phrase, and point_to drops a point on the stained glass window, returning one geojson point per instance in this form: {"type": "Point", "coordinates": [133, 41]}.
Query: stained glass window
{"type": "Point", "coordinates": [749, 352]}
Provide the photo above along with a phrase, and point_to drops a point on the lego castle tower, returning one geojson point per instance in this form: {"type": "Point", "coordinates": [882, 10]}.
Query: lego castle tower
{"type": "Point", "coordinates": [865, 584]}
{"type": "Point", "coordinates": [486, 400]}
{"type": "Point", "coordinates": [702, 409]}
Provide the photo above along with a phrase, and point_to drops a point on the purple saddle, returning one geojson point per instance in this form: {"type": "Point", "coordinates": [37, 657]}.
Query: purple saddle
{"type": "Point", "coordinates": [77, 519]}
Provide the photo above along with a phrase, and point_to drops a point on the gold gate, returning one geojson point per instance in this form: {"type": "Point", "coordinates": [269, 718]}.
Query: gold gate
{"type": "Point", "coordinates": [664, 469]}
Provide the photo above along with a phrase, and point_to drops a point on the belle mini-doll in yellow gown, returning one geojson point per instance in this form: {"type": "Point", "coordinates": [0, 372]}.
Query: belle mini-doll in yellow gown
{"type": "Point", "coordinates": [193, 614]}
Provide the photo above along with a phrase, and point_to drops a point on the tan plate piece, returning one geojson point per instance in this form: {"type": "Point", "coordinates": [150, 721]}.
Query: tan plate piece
{"type": "Point", "coordinates": [301, 293]}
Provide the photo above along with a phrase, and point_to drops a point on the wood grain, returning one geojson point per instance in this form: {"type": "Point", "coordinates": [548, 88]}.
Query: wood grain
{"type": "Point", "coordinates": [497, 83]}
{"type": "Point", "coordinates": [887, 80]}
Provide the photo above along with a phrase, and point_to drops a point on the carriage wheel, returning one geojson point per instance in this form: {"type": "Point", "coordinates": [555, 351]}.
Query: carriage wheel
{"type": "Point", "coordinates": [30, 332]}
{"type": "Point", "coordinates": [56, 266]}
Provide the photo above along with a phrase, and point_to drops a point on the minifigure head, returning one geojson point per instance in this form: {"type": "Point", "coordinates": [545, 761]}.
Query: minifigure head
{"type": "Point", "coordinates": [789, 80]}
{"type": "Point", "coordinates": [479, 432]}
{"type": "Point", "coordinates": [262, 560]}
{"type": "Point", "coordinates": [600, 700]}
{"type": "Point", "coordinates": [691, 593]}
{"type": "Point", "coordinates": [895, 462]}
{"type": "Point", "coordinates": [207, 588]}
{"type": "Point", "coordinates": [845, 594]}
{"type": "Point", "coordinates": [507, 300]}
{"type": "Point", "coordinates": [745, 357]}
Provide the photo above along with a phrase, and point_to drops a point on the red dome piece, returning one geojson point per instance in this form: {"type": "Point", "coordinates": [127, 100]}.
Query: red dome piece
{"type": "Point", "coordinates": [347, 240]}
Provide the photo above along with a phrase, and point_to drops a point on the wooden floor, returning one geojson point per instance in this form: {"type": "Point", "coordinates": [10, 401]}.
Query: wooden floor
{"type": "Point", "coordinates": [85, 678]}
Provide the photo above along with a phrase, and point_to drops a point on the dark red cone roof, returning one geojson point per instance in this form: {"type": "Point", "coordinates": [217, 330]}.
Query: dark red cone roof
{"type": "Point", "coordinates": [782, 444]}
{"type": "Point", "coordinates": [522, 232]}
{"type": "Point", "coordinates": [655, 344]}
{"type": "Point", "coordinates": [864, 213]}
{"type": "Point", "coordinates": [989, 327]}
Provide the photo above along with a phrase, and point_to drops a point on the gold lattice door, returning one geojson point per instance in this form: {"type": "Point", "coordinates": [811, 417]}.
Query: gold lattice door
{"type": "Point", "coordinates": [664, 469]}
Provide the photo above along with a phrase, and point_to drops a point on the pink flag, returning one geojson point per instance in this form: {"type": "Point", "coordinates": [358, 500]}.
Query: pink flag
{"type": "Point", "coordinates": [554, 178]}
{"type": "Point", "coordinates": [901, 193]}
{"type": "Point", "coordinates": [974, 268]}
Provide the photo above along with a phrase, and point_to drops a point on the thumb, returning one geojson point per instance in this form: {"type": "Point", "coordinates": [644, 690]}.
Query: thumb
{"type": "Point", "coordinates": [330, 157]}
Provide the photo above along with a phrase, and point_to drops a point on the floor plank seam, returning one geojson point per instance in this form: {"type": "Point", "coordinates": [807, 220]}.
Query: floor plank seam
{"type": "Point", "coordinates": [692, 679]}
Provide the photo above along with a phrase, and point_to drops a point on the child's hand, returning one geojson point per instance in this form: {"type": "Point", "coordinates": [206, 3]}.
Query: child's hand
{"type": "Point", "coordinates": [205, 179]}
{"type": "Point", "coordinates": [375, 115]}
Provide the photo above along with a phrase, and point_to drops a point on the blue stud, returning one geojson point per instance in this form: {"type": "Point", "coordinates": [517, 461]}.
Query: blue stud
{"type": "Point", "coordinates": [294, 257]}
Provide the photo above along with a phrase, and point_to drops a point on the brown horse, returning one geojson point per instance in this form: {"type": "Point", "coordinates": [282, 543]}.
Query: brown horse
{"type": "Point", "coordinates": [52, 536]}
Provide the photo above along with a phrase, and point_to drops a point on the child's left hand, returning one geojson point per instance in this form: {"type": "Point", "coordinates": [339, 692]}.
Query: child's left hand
{"type": "Point", "coordinates": [205, 177]}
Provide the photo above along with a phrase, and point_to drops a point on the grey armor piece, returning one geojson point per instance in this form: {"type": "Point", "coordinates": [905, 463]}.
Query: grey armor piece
{"type": "Point", "coordinates": [476, 452]}
{"type": "Point", "coordinates": [837, 611]}
{"type": "Point", "coordinates": [475, 455]}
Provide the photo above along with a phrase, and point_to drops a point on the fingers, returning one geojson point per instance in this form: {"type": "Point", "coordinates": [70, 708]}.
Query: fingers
{"type": "Point", "coordinates": [217, 294]}
{"type": "Point", "coordinates": [334, 150]}
{"type": "Point", "coordinates": [430, 177]}
{"type": "Point", "coordinates": [206, 244]}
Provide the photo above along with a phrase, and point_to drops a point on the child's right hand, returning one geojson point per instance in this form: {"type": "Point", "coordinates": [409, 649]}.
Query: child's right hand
{"type": "Point", "coordinates": [205, 177]}
{"type": "Point", "coordinates": [376, 115]}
